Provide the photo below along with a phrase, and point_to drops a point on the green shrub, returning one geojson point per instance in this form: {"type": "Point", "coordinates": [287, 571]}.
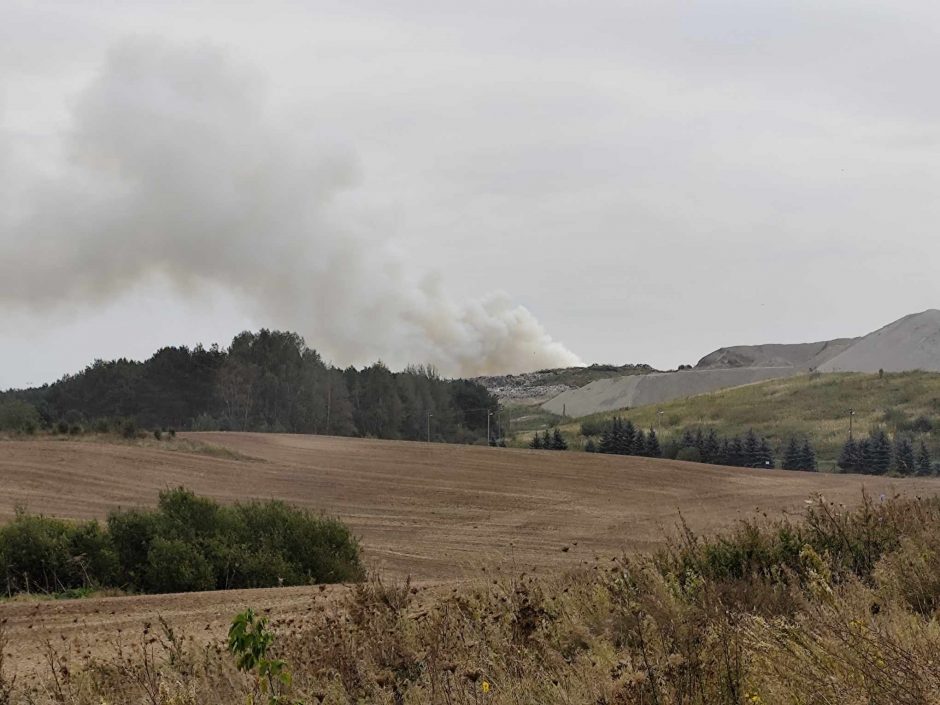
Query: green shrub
{"type": "Point", "coordinates": [186, 543]}
{"type": "Point", "coordinates": [129, 428]}
{"type": "Point", "coordinates": [174, 565]}
{"type": "Point", "coordinates": [689, 453]}
{"type": "Point", "coordinates": [45, 555]}
{"type": "Point", "coordinates": [17, 415]}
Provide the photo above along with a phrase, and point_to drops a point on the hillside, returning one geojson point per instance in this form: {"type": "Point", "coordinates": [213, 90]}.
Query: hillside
{"type": "Point", "coordinates": [429, 510]}
{"type": "Point", "coordinates": [910, 343]}
{"type": "Point", "coordinates": [432, 511]}
{"type": "Point", "coordinates": [814, 405]}
{"type": "Point", "coordinates": [805, 356]}
{"type": "Point", "coordinates": [639, 390]}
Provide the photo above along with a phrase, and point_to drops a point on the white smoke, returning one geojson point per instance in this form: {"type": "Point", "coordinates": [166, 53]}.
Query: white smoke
{"type": "Point", "coordinates": [175, 168]}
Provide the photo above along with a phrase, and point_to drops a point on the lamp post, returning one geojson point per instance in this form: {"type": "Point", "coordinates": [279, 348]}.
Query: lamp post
{"type": "Point", "coordinates": [488, 415]}
{"type": "Point", "coordinates": [851, 417]}
{"type": "Point", "coordinates": [429, 426]}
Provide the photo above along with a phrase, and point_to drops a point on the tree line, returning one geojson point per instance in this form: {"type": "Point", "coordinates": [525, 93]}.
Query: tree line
{"type": "Point", "coordinates": [622, 437]}
{"type": "Point", "coordinates": [877, 454]}
{"type": "Point", "coordinates": [264, 381]}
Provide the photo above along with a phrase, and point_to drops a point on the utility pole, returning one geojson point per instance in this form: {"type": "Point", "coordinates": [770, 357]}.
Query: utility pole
{"type": "Point", "coordinates": [429, 426]}
{"type": "Point", "coordinates": [851, 416]}
{"type": "Point", "coordinates": [488, 415]}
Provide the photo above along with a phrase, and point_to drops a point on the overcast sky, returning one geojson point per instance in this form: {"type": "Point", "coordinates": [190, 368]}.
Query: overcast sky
{"type": "Point", "coordinates": [519, 182]}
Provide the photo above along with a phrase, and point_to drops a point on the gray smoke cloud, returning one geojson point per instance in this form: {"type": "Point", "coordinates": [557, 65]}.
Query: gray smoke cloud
{"type": "Point", "coordinates": [175, 168]}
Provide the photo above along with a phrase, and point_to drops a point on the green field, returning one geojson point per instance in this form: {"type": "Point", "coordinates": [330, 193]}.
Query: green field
{"type": "Point", "coordinates": [814, 405]}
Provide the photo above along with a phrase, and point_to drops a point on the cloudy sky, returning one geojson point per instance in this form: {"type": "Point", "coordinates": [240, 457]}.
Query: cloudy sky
{"type": "Point", "coordinates": [483, 185]}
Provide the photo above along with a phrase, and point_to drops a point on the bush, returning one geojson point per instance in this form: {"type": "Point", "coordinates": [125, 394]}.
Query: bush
{"type": "Point", "coordinates": [40, 554]}
{"type": "Point", "coordinates": [689, 453]}
{"type": "Point", "coordinates": [187, 543]}
{"type": "Point", "coordinates": [129, 428]}
{"type": "Point", "coordinates": [16, 415]}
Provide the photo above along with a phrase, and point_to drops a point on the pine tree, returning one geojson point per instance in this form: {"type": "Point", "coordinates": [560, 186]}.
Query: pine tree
{"type": "Point", "coordinates": [808, 457]}
{"type": "Point", "coordinates": [627, 438]}
{"type": "Point", "coordinates": [607, 439]}
{"type": "Point", "coordinates": [753, 457]}
{"type": "Point", "coordinates": [725, 453]}
{"type": "Point", "coordinates": [711, 448]}
{"type": "Point", "coordinates": [653, 449]}
{"type": "Point", "coordinates": [590, 446]}
{"type": "Point", "coordinates": [536, 441]}
{"type": "Point", "coordinates": [699, 443]}
{"type": "Point", "coordinates": [875, 453]}
{"type": "Point", "coordinates": [849, 457]}
{"type": "Point", "coordinates": [639, 443]}
{"type": "Point", "coordinates": [558, 441]}
{"type": "Point", "coordinates": [766, 455]}
{"type": "Point", "coordinates": [791, 456]}
{"type": "Point", "coordinates": [904, 462]}
{"type": "Point", "coordinates": [547, 441]}
{"type": "Point", "coordinates": [737, 453]}
{"type": "Point", "coordinates": [880, 452]}
{"type": "Point", "coordinates": [923, 460]}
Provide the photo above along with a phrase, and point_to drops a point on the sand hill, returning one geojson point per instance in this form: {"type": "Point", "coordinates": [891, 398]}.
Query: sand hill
{"type": "Point", "coordinates": [802, 355]}
{"type": "Point", "coordinates": [911, 343]}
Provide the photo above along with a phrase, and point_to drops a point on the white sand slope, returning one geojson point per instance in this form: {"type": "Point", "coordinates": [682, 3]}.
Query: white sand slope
{"type": "Point", "coordinates": [911, 343]}
{"type": "Point", "coordinates": [804, 355]}
{"type": "Point", "coordinates": [639, 390]}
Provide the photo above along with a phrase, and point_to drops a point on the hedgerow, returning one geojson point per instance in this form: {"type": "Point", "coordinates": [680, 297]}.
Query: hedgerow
{"type": "Point", "coordinates": [187, 543]}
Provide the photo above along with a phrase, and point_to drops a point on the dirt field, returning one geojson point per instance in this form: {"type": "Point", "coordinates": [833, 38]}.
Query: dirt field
{"type": "Point", "coordinates": [435, 512]}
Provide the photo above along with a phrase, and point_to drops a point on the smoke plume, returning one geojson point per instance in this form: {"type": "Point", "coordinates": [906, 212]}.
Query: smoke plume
{"type": "Point", "coordinates": [175, 168]}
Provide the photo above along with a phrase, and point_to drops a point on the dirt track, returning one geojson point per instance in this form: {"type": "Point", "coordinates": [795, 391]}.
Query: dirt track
{"type": "Point", "coordinates": [432, 511]}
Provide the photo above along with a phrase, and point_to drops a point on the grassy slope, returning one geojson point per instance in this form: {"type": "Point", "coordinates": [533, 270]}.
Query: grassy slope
{"type": "Point", "coordinates": [811, 405]}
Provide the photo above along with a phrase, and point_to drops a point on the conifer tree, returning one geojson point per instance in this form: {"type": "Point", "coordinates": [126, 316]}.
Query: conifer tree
{"type": "Point", "coordinates": [547, 440]}
{"type": "Point", "coordinates": [536, 442]}
{"type": "Point", "coordinates": [792, 459]}
{"type": "Point", "coordinates": [923, 460]}
{"type": "Point", "coordinates": [737, 452]}
{"type": "Point", "coordinates": [849, 459]}
{"type": "Point", "coordinates": [753, 456]}
{"type": "Point", "coordinates": [639, 443]}
{"type": "Point", "coordinates": [627, 438]}
{"type": "Point", "coordinates": [875, 452]}
{"type": "Point", "coordinates": [607, 439]}
{"type": "Point", "coordinates": [725, 453]}
{"type": "Point", "coordinates": [558, 441]}
{"type": "Point", "coordinates": [904, 461]}
{"type": "Point", "coordinates": [808, 457]}
{"type": "Point", "coordinates": [590, 446]}
{"type": "Point", "coordinates": [653, 449]}
{"type": "Point", "coordinates": [766, 455]}
{"type": "Point", "coordinates": [711, 447]}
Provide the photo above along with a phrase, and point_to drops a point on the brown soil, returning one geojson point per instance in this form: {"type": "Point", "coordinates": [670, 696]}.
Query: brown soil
{"type": "Point", "coordinates": [436, 512]}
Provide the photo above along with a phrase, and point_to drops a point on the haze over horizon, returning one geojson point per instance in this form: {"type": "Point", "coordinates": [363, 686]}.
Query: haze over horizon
{"type": "Point", "coordinates": [487, 188]}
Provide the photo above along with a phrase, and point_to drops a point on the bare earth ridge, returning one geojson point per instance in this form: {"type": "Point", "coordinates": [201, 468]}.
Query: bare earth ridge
{"type": "Point", "coordinates": [435, 512]}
